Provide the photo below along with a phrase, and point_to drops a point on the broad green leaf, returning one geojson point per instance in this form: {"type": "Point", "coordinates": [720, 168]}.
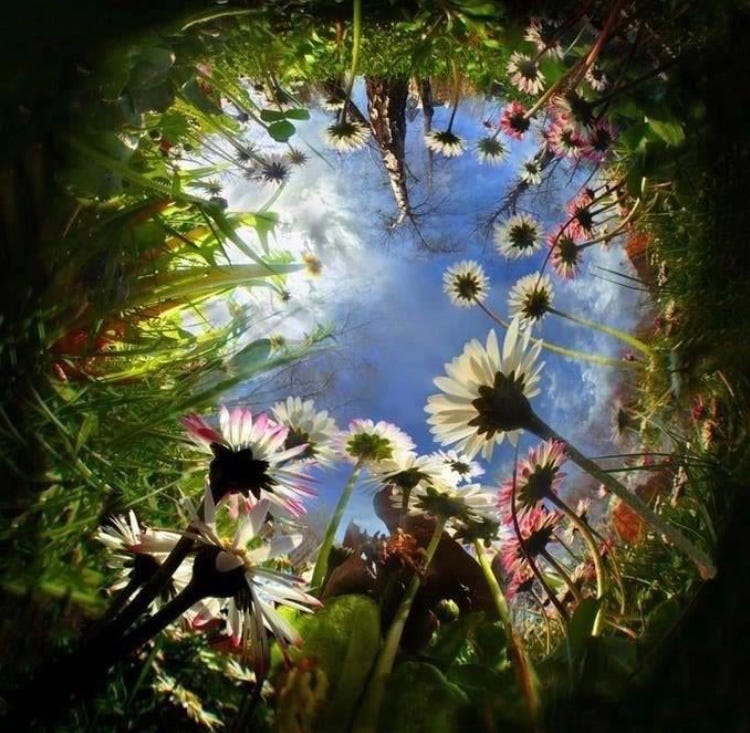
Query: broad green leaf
{"type": "Point", "coordinates": [297, 114]}
{"type": "Point", "coordinates": [89, 427]}
{"type": "Point", "coordinates": [419, 699]}
{"type": "Point", "coordinates": [281, 131]}
{"type": "Point", "coordinates": [578, 633]}
{"type": "Point", "coordinates": [151, 68]}
{"type": "Point", "coordinates": [344, 638]}
{"type": "Point", "coordinates": [668, 130]}
{"type": "Point", "coordinates": [272, 115]}
{"type": "Point", "coordinates": [452, 639]}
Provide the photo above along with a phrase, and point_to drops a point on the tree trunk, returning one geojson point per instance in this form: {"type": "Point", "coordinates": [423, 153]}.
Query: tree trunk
{"type": "Point", "coordinates": [386, 107]}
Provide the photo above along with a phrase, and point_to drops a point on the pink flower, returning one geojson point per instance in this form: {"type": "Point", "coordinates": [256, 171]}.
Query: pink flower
{"type": "Point", "coordinates": [250, 458]}
{"type": "Point", "coordinates": [566, 254]}
{"type": "Point", "coordinates": [513, 120]}
{"type": "Point", "coordinates": [537, 477]}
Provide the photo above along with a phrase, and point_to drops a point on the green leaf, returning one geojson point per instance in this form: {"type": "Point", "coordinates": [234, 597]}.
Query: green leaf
{"type": "Point", "coordinates": [89, 426]}
{"type": "Point", "coordinates": [297, 114]}
{"type": "Point", "coordinates": [281, 131]}
{"type": "Point", "coordinates": [419, 699]}
{"type": "Point", "coordinates": [660, 621]}
{"type": "Point", "coordinates": [670, 131]}
{"type": "Point", "coordinates": [578, 634]}
{"type": "Point", "coordinates": [344, 638]}
{"type": "Point", "coordinates": [491, 644]}
{"type": "Point", "coordinates": [452, 639]}
{"type": "Point", "coordinates": [272, 115]}
{"type": "Point", "coordinates": [151, 68]}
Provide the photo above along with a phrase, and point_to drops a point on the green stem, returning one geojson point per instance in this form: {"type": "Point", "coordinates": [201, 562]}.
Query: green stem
{"type": "Point", "coordinates": [563, 573]}
{"type": "Point", "coordinates": [601, 578]}
{"type": "Point", "coordinates": [367, 718]}
{"type": "Point", "coordinates": [609, 330]}
{"type": "Point", "coordinates": [521, 661]}
{"type": "Point", "coordinates": [356, 43]}
{"type": "Point", "coordinates": [703, 562]}
{"type": "Point", "coordinates": [563, 351]}
{"type": "Point", "coordinates": [321, 564]}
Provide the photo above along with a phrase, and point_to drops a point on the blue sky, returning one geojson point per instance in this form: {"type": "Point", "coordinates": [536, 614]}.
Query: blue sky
{"type": "Point", "coordinates": [400, 326]}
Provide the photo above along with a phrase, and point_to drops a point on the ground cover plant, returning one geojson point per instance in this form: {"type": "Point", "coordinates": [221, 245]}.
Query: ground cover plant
{"type": "Point", "coordinates": [165, 564]}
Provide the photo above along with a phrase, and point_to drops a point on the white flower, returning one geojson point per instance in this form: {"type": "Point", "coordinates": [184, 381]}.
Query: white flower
{"type": "Point", "coordinates": [138, 551]}
{"type": "Point", "coordinates": [490, 150]}
{"type": "Point", "coordinates": [530, 298]}
{"type": "Point", "coordinates": [251, 591]}
{"type": "Point", "coordinates": [465, 283]}
{"type": "Point", "coordinates": [408, 470]}
{"type": "Point", "coordinates": [372, 442]}
{"type": "Point", "coordinates": [596, 78]}
{"type": "Point", "coordinates": [525, 74]}
{"type": "Point", "coordinates": [445, 143]}
{"type": "Point", "coordinates": [457, 505]}
{"type": "Point", "coordinates": [485, 393]}
{"type": "Point", "coordinates": [346, 137]}
{"type": "Point", "coordinates": [462, 466]}
{"type": "Point", "coordinates": [250, 458]}
{"type": "Point", "coordinates": [531, 172]}
{"type": "Point", "coordinates": [544, 34]}
{"type": "Point", "coordinates": [520, 236]}
{"type": "Point", "coordinates": [315, 430]}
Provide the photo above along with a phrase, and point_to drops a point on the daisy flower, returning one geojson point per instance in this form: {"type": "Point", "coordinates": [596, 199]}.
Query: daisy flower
{"type": "Point", "coordinates": [406, 471]}
{"type": "Point", "coordinates": [525, 74]}
{"type": "Point", "coordinates": [445, 143]}
{"type": "Point", "coordinates": [581, 223]}
{"type": "Point", "coordinates": [596, 78]}
{"type": "Point", "coordinates": [346, 137]}
{"type": "Point", "coordinates": [456, 505]}
{"type": "Point", "coordinates": [513, 120]}
{"type": "Point", "coordinates": [567, 255]}
{"type": "Point", "coordinates": [574, 112]}
{"type": "Point", "coordinates": [531, 172]}
{"type": "Point", "coordinates": [241, 588]}
{"type": "Point", "coordinates": [372, 442]}
{"type": "Point", "coordinates": [563, 141]}
{"type": "Point", "coordinates": [463, 467]}
{"type": "Point", "coordinates": [543, 34]}
{"type": "Point", "coordinates": [306, 427]}
{"type": "Point", "coordinates": [519, 236]}
{"type": "Point", "coordinates": [537, 477]}
{"type": "Point", "coordinates": [530, 298]}
{"type": "Point", "coordinates": [137, 552]}
{"type": "Point", "coordinates": [537, 528]}
{"type": "Point", "coordinates": [465, 283]}
{"type": "Point", "coordinates": [490, 150]}
{"type": "Point", "coordinates": [274, 169]}
{"type": "Point", "coordinates": [250, 457]}
{"type": "Point", "coordinates": [296, 156]}
{"type": "Point", "coordinates": [598, 144]}
{"type": "Point", "coordinates": [485, 395]}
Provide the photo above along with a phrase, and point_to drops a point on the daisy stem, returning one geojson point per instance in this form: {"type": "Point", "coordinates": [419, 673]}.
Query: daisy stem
{"type": "Point", "coordinates": [547, 625]}
{"type": "Point", "coordinates": [610, 235]}
{"type": "Point", "coordinates": [521, 661]}
{"type": "Point", "coordinates": [456, 94]}
{"type": "Point", "coordinates": [569, 353]}
{"type": "Point", "coordinates": [601, 578]}
{"type": "Point", "coordinates": [563, 573]}
{"type": "Point", "coordinates": [526, 554]}
{"type": "Point", "coordinates": [356, 42]}
{"type": "Point", "coordinates": [367, 718]}
{"type": "Point", "coordinates": [705, 565]}
{"type": "Point", "coordinates": [321, 564]}
{"type": "Point", "coordinates": [165, 616]}
{"type": "Point", "coordinates": [626, 338]}
{"type": "Point", "coordinates": [151, 587]}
